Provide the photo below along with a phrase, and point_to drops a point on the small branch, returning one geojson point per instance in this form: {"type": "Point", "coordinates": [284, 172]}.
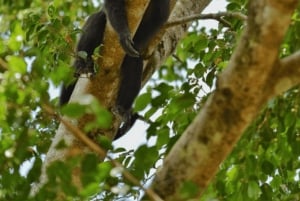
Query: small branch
{"type": "Point", "coordinates": [3, 64]}
{"type": "Point", "coordinates": [77, 132]}
{"type": "Point", "coordinates": [285, 74]}
{"type": "Point", "coordinates": [292, 62]}
{"type": "Point", "coordinates": [177, 58]}
{"type": "Point", "coordinates": [101, 152]}
{"type": "Point", "coordinates": [215, 16]}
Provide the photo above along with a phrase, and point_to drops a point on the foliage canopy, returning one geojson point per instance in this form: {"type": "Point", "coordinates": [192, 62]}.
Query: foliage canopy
{"type": "Point", "coordinates": [37, 40]}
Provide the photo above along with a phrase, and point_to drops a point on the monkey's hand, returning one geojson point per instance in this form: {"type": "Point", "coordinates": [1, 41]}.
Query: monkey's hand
{"type": "Point", "coordinates": [127, 44]}
{"type": "Point", "coordinates": [129, 120]}
{"type": "Point", "coordinates": [84, 67]}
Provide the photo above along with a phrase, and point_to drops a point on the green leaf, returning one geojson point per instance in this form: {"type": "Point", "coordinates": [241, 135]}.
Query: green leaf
{"type": "Point", "coordinates": [103, 116]}
{"type": "Point", "coordinates": [267, 167]}
{"type": "Point", "coordinates": [145, 158]}
{"type": "Point", "coordinates": [233, 173]}
{"type": "Point", "coordinates": [82, 54]}
{"type": "Point", "coordinates": [267, 192]}
{"type": "Point", "coordinates": [142, 101]}
{"type": "Point", "coordinates": [163, 136]}
{"type": "Point", "coordinates": [189, 190]}
{"type": "Point", "coordinates": [73, 110]}
{"type": "Point", "coordinates": [254, 190]}
{"type": "Point", "coordinates": [104, 169]}
{"type": "Point", "coordinates": [16, 64]}
{"type": "Point", "coordinates": [90, 189]}
{"type": "Point", "coordinates": [15, 42]}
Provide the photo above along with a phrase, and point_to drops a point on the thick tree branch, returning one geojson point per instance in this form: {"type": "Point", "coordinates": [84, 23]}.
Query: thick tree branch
{"type": "Point", "coordinates": [239, 95]}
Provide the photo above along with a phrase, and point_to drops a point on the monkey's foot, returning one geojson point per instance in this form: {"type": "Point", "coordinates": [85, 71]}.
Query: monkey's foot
{"type": "Point", "coordinates": [127, 44]}
{"type": "Point", "coordinates": [128, 120]}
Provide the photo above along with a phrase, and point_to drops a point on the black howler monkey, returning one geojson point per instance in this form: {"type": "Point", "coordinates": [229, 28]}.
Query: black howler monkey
{"type": "Point", "coordinates": [155, 16]}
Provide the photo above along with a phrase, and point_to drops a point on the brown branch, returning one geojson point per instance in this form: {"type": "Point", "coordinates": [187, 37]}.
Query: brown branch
{"type": "Point", "coordinates": [3, 64]}
{"type": "Point", "coordinates": [239, 95]}
{"type": "Point", "coordinates": [285, 74]}
{"type": "Point", "coordinates": [292, 61]}
{"type": "Point", "coordinates": [291, 65]}
{"type": "Point", "coordinates": [214, 16]}
{"type": "Point", "coordinates": [76, 132]}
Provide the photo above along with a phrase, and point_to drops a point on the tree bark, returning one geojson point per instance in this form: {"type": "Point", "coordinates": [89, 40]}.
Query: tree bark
{"type": "Point", "coordinates": [242, 90]}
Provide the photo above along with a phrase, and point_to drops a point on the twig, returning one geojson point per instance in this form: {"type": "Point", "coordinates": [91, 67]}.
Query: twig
{"type": "Point", "coordinates": [3, 64]}
{"type": "Point", "coordinates": [216, 16]}
{"type": "Point", "coordinates": [177, 58]}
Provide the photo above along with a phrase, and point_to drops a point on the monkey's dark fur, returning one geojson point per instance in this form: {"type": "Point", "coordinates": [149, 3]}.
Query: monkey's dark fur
{"type": "Point", "coordinates": [132, 67]}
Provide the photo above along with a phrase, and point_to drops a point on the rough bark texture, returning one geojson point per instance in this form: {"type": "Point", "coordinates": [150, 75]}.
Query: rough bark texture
{"type": "Point", "coordinates": [254, 74]}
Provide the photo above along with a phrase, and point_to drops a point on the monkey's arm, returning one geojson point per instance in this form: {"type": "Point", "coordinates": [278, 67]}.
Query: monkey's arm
{"type": "Point", "coordinates": [91, 37]}
{"type": "Point", "coordinates": [116, 13]}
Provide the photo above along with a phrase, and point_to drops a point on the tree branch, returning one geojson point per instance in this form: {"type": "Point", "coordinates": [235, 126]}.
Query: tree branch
{"type": "Point", "coordinates": [3, 65]}
{"type": "Point", "coordinates": [285, 74]}
{"type": "Point", "coordinates": [103, 86]}
{"type": "Point", "coordinates": [239, 95]}
{"type": "Point", "coordinates": [214, 16]}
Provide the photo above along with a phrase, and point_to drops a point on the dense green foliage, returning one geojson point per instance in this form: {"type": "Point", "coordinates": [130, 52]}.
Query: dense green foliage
{"type": "Point", "coordinates": [37, 40]}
